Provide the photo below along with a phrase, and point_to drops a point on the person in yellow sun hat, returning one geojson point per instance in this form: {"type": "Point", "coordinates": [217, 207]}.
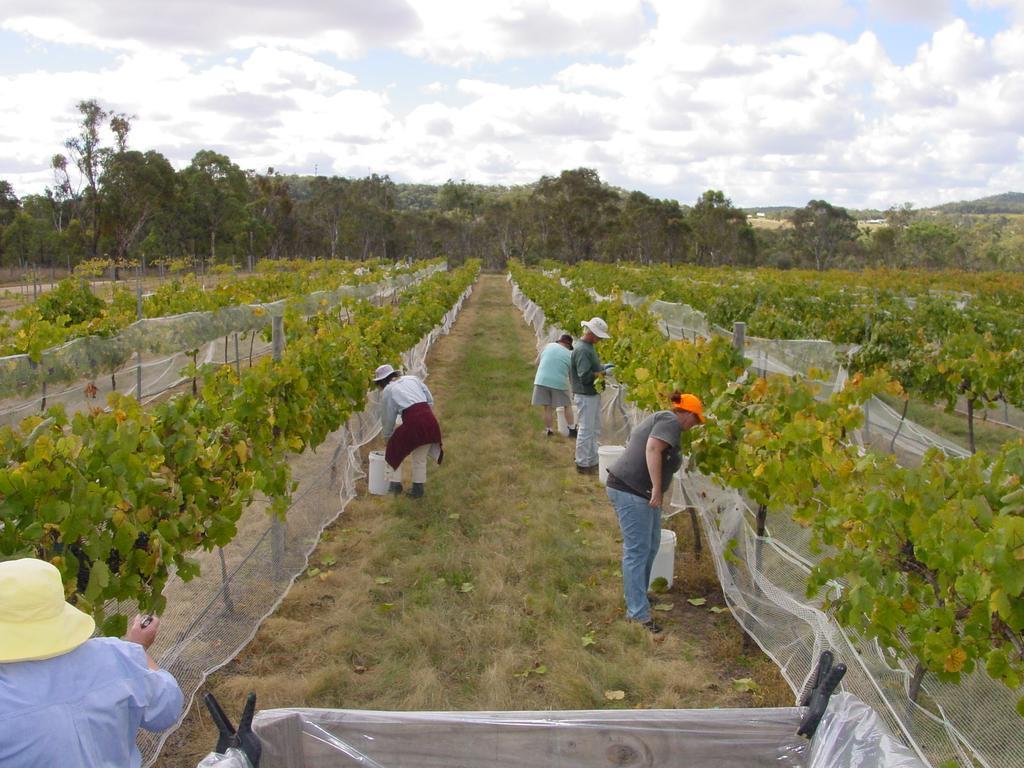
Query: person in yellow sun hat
{"type": "Point", "coordinates": [66, 698]}
{"type": "Point", "coordinates": [636, 483]}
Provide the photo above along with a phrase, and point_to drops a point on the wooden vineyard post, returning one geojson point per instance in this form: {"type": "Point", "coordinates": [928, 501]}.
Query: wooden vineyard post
{"type": "Point", "coordinates": [277, 337]}
{"type": "Point", "coordinates": [138, 352]}
{"type": "Point", "coordinates": [761, 530]}
{"type": "Point", "coordinates": [697, 548]}
{"type": "Point", "coordinates": [739, 337]}
{"type": "Point", "coordinates": [277, 543]}
{"type": "Point", "coordinates": [867, 420]}
{"type": "Point", "coordinates": [970, 425]}
{"type": "Point", "coordinates": [228, 605]}
{"type": "Point", "coordinates": [238, 359]}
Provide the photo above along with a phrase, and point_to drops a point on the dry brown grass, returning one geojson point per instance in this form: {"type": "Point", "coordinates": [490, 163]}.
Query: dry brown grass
{"type": "Point", "coordinates": [479, 596]}
{"type": "Point", "coordinates": [766, 223]}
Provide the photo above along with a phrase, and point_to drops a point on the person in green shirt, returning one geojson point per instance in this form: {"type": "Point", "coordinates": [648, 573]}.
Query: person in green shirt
{"type": "Point", "coordinates": [584, 371]}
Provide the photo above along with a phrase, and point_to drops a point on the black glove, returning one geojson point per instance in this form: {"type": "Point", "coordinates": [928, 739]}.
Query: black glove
{"type": "Point", "coordinates": [243, 739]}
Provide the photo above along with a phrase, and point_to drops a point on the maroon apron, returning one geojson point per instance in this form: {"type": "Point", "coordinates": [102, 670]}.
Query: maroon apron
{"type": "Point", "coordinates": [419, 427]}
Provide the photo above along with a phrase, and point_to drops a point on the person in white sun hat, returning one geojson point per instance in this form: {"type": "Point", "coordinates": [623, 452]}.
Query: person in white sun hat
{"type": "Point", "coordinates": [584, 371]}
{"type": "Point", "coordinates": [66, 698]}
{"type": "Point", "coordinates": [418, 436]}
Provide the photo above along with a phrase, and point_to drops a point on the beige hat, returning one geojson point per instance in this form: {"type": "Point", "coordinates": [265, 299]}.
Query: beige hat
{"type": "Point", "coordinates": [383, 371]}
{"type": "Point", "coordinates": [598, 327]}
{"type": "Point", "coordinates": [35, 621]}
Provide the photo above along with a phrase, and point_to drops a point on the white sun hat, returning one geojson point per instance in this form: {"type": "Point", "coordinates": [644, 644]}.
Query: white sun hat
{"type": "Point", "coordinates": [598, 327]}
{"type": "Point", "coordinates": [383, 371]}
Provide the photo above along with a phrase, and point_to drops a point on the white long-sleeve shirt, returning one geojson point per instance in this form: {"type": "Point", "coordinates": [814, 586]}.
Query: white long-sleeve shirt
{"type": "Point", "coordinates": [399, 395]}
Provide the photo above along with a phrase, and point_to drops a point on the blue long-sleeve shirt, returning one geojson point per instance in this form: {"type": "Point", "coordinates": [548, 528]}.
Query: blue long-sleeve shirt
{"type": "Point", "coordinates": [83, 708]}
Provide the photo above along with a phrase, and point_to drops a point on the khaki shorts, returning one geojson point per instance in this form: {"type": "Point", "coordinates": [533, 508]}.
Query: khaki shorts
{"type": "Point", "coordinates": [556, 398]}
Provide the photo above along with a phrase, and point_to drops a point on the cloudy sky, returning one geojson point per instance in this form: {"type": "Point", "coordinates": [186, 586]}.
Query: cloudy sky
{"type": "Point", "coordinates": [860, 102]}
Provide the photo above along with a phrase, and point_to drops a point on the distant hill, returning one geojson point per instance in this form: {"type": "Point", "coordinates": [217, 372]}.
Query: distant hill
{"type": "Point", "coordinates": [1008, 202]}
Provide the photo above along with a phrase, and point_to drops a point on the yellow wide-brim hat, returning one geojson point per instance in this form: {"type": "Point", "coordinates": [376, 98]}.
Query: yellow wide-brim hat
{"type": "Point", "coordinates": [35, 621]}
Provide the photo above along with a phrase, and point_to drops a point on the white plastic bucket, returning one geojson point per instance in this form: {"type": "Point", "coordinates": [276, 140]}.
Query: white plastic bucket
{"type": "Point", "coordinates": [606, 456]}
{"type": "Point", "coordinates": [665, 560]}
{"type": "Point", "coordinates": [563, 425]}
{"type": "Point", "coordinates": [378, 476]}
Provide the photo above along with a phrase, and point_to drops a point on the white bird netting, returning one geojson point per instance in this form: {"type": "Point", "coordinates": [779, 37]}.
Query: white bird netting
{"type": "Point", "coordinates": [209, 619]}
{"type": "Point", "coordinates": [154, 352]}
{"type": "Point", "coordinates": [973, 723]}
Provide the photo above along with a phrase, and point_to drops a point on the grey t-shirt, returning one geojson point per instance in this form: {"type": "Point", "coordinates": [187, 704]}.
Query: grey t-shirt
{"type": "Point", "coordinates": [629, 472]}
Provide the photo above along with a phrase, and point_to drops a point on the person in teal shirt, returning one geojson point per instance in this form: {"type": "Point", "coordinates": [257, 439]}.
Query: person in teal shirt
{"type": "Point", "coordinates": [551, 384]}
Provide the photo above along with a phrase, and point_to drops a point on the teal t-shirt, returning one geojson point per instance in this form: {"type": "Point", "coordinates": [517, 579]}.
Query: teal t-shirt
{"type": "Point", "coordinates": [553, 370]}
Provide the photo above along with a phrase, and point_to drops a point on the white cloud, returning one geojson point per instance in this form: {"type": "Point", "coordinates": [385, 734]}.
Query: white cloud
{"type": "Point", "coordinates": [712, 22]}
{"type": "Point", "coordinates": [345, 27]}
{"type": "Point", "coordinates": [1014, 7]}
{"type": "Point", "coordinates": [762, 104]}
{"type": "Point", "coordinates": [458, 32]}
{"type": "Point", "coordinates": [911, 11]}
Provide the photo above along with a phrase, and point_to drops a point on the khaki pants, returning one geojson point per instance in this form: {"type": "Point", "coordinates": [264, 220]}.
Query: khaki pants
{"type": "Point", "coordinates": [419, 466]}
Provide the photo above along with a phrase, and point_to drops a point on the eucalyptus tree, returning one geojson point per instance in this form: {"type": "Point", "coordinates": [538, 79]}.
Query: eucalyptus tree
{"type": "Point", "coordinates": [575, 211]}
{"type": "Point", "coordinates": [822, 232]}
{"type": "Point", "coordinates": [89, 154]}
{"type": "Point", "coordinates": [721, 233]}
{"type": "Point", "coordinates": [214, 195]}
{"type": "Point", "coordinates": [135, 188]}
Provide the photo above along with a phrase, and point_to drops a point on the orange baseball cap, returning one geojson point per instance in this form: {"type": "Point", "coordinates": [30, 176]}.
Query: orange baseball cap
{"type": "Point", "coordinates": [691, 404]}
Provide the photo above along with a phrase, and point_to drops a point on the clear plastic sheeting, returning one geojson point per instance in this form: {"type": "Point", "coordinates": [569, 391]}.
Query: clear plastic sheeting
{"type": "Point", "coordinates": [763, 579]}
{"type": "Point", "coordinates": [233, 758]}
{"type": "Point", "coordinates": [209, 619]}
{"type": "Point", "coordinates": [82, 372]}
{"type": "Point", "coordinates": [849, 736]}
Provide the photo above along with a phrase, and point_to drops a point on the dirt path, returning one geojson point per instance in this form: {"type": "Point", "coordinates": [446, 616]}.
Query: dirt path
{"type": "Point", "coordinates": [499, 590]}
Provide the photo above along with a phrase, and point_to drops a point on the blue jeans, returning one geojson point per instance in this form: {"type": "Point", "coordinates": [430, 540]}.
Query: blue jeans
{"type": "Point", "coordinates": [588, 420]}
{"type": "Point", "coordinates": [641, 537]}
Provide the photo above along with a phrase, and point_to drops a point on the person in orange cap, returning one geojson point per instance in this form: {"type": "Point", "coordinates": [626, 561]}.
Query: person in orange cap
{"type": "Point", "coordinates": [67, 698]}
{"type": "Point", "coordinates": [636, 484]}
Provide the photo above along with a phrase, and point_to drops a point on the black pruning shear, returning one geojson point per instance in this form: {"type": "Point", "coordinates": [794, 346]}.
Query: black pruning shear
{"type": "Point", "coordinates": [243, 738]}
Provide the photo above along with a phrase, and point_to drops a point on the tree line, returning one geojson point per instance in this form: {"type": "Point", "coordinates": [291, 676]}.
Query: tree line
{"type": "Point", "coordinates": [131, 206]}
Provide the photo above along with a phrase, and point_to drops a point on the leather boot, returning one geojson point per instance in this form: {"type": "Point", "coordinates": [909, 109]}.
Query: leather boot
{"type": "Point", "coordinates": [395, 488]}
{"type": "Point", "coordinates": [417, 490]}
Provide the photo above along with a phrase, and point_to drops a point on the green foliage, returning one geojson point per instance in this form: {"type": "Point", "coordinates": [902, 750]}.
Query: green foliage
{"type": "Point", "coordinates": [929, 561]}
{"type": "Point", "coordinates": [116, 498]}
{"type": "Point", "coordinates": [71, 300]}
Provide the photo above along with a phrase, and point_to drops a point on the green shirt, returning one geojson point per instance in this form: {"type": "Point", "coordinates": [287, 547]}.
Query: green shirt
{"type": "Point", "coordinates": [584, 369]}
